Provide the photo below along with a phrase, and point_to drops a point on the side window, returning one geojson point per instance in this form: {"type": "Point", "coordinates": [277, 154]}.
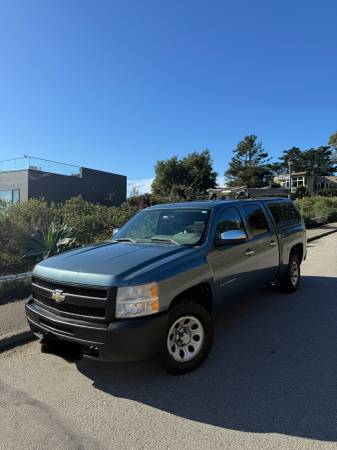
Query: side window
{"type": "Point", "coordinates": [290, 213]}
{"type": "Point", "coordinates": [276, 211]}
{"type": "Point", "coordinates": [283, 212]}
{"type": "Point", "coordinates": [256, 219]}
{"type": "Point", "coordinates": [229, 219]}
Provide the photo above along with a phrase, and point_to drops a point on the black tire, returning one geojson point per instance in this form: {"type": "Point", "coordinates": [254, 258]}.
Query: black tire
{"type": "Point", "coordinates": [202, 322]}
{"type": "Point", "coordinates": [290, 281]}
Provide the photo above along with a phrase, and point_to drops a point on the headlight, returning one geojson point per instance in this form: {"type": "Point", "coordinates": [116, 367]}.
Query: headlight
{"type": "Point", "coordinates": [135, 301]}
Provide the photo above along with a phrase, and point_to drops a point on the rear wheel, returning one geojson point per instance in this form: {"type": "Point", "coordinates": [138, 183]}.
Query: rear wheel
{"type": "Point", "coordinates": [188, 339]}
{"type": "Point", "coordinates": [290, 281]}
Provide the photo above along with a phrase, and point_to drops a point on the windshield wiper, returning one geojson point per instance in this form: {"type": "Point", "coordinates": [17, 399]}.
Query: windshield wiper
{"type": "Point", "coordinates": [159, 239]}
{"type": "Point", "coordinates": [126, 239]}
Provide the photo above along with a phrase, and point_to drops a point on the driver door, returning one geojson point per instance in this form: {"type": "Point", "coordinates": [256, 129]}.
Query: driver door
{"type": "Point", "coordinates": [234, 266]}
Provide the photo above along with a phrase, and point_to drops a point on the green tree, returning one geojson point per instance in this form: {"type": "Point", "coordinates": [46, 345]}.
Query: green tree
{"type": "Point", "coordinates": [295, 155]}
{"type": "Point", "coordinates": [333, 140]}
{"type": "Point", "coordinates": [184, 178]}
{"type": "Point", "coordinates": [333, 145]}
{"type": "Point", "coordinates": [319, 161]}
{"type": "Point", "coordinates": [249, 165]}
{"type": "Point", "coordinates": [314, 161]}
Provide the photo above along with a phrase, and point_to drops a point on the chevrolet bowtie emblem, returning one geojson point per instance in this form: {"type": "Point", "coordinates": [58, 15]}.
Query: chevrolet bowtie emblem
{"type": "Point", "coordinates": [58, 296]}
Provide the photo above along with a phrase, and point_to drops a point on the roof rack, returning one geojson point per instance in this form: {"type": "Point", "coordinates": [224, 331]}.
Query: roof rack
{"type": "Point", "coordinates": [244, 192]}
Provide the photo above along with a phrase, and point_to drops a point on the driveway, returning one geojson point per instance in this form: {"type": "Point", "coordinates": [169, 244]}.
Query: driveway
{"type": "Point", "coordinates": [269, 383]}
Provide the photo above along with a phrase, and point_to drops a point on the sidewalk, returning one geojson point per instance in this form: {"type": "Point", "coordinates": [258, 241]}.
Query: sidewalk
{"type": "Point", "coordinates": [324, 230]}
{"type": "Point", "coordinates": [13, 325]}
{"type": "Point", "coordinates": [12, 317]}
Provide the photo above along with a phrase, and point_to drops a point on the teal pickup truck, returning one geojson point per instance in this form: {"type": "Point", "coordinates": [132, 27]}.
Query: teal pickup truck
{"type": "Point", "coordinates": [154, 288]}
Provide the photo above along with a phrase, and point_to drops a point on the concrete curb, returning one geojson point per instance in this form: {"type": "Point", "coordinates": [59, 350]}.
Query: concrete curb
{"type": "Point", "coordinates": [17, 277]}
{"type": "Point", "coordinates": [10, 340]}
{"type": "Point", "coordinates": [318, 236]}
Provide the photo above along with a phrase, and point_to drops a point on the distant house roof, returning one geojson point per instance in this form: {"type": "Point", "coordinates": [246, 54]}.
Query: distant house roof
{"type": "Point", "coordinates": [284, 176]}
{"type": "Point", "coordinates": [326, 178]}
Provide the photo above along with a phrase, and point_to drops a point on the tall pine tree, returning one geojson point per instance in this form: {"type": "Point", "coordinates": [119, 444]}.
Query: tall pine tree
{"type": "Point", "coordinates": [314, 161]}
{"type": "Point", "coordinates": [250, 164]}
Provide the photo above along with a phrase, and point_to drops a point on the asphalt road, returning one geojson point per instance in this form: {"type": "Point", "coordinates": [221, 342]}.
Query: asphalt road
{"type": "Point", "coordinates": [269, 383]}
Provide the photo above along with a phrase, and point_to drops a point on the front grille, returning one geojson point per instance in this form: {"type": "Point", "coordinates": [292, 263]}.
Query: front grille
{"type": "Point", "coordinates": [85, 291]}
{"type": "Point", "coordinates": [85, 302]}
{"type": "Point", "coordinates": [70, 308]}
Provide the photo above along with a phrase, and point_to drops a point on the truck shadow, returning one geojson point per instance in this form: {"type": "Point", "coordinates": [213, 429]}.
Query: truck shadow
{"type": "Point", "coordinates": [272, 368]}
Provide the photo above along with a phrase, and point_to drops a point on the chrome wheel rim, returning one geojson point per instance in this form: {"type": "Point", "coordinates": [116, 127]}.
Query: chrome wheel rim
{"type": "Point", "coordinates": [185, 338]}
{"type": "Point", "coordinates": [294, 273]}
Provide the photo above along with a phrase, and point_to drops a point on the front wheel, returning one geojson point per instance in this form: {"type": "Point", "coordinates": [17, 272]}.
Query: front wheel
{"type": "Point", "coordinates": [188, 339]}
{"type": "Point", "coordinates": [290, 281]}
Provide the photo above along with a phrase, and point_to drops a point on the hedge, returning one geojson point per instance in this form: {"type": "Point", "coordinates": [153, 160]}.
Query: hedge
{"type": "Point", "coordinates": [318, 210]}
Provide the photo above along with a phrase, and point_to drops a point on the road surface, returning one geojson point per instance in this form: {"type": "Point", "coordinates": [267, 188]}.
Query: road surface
{"type": "Point", "coordinates": [269, 383]}
{"type": "Point", "coordinates": [12, 317]}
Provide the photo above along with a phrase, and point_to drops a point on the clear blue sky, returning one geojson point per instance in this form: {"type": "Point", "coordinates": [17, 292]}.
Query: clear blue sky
{"type": "Point", "coordinates": [116, 85]}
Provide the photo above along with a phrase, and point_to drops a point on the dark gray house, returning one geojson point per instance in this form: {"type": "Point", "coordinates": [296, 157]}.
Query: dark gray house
{"type": "Point", "coordinates": [25, 178]}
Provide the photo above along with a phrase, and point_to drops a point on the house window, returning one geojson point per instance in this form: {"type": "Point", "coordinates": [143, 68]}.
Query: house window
{"type": "Point", "coordinates": [16, 195]}
{"type": "Point", "coordinates": [10, 196]}
{"type": "Point", "coordinates": [297, 182]}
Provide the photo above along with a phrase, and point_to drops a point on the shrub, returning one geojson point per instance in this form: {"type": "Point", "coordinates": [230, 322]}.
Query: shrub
{"type": "Point", "coordinates": [86, 219]}
{"type": "Point", "coordinates": [16, 221]}
{"type": "Point", "coordinates": [32, 214]}
{"type": "Point", "coordinates": [146, 200]}
{"type": "Point", "coordinates": [318, 210]}
{"type": "Point", "coordinates": [301, 192]}
{"type": "Point", "coordinates": [328, 192]}
{"type": "Point", "coordinates": [94, 223]}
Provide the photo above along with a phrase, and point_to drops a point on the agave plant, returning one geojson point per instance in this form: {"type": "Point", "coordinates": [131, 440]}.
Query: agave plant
{"type": "Point", "coordinates": [40, 245]}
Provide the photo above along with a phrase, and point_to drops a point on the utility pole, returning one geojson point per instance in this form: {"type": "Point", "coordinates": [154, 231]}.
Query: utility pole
{"type": "Point", "coordinates": [290, 164]}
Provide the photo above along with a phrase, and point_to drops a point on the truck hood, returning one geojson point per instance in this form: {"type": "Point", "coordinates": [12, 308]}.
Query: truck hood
{"type": "Point", "coordinates": [109, 263]}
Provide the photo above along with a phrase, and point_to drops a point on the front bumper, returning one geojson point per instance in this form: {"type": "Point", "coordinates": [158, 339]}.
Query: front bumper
{"type": "Point", "coordinates": [122, 340]}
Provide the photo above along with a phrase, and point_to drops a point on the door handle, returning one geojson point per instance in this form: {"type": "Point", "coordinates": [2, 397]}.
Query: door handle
{"type": "Point", "coordinates": [249, 252]}
{"type": "Point", "coordinates": [272, 243]}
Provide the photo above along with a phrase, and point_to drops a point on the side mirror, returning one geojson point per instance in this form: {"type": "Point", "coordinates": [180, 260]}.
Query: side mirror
{"type": "Point", "coordinates": [230, 237]}
{"type": "Point", "coordinates": [115, 231]}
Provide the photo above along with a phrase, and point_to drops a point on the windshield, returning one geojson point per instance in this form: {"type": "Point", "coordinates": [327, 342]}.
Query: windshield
{"type": "Point", "coordinates": [173, 226]}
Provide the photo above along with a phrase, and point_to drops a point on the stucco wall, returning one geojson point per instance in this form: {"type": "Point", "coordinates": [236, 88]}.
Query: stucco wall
{"type": "Point", "coordinates": [94, 186]}
{"type": "Point", "coordinates": [15, 180]}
